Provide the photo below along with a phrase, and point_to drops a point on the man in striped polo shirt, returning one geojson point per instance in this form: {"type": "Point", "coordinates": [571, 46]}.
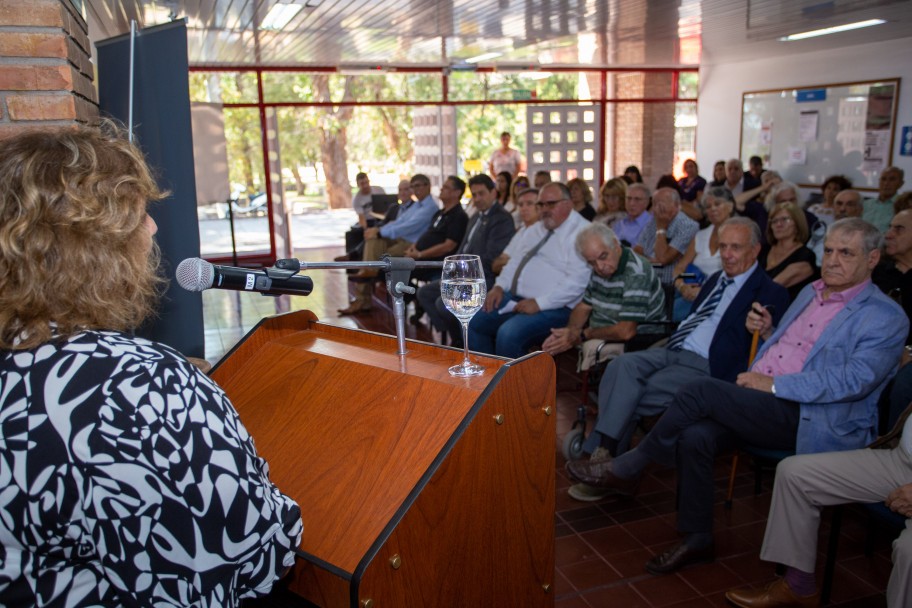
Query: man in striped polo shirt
{"type": "Point", "coordinates": [623, 291]}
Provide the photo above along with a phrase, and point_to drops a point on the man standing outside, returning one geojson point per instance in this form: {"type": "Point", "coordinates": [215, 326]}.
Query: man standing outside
{"type": "Point", "coordinates": [667, 234]}
{"type": "Point", "coordinates": [393, 238]}
{"type": "Point", "coordinates": [878, 211]}
{"type": "Point", "coordinates": [813, 388]}
{"type": "Point", "coordinates": [506, 158]}
{"type": "Point", "coordinates": [488, 233]}
{"type": "Point", "coordinates": [535, 290]}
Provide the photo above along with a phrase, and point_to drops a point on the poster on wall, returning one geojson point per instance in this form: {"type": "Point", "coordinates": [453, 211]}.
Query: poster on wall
{"type": "Point", "coordinates": [807, 126]}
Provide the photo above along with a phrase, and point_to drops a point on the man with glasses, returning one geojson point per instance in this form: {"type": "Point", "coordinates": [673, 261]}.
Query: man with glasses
{"type": "Point", "coordinates": [537, 288]}
{"type": "Point", "coordinates": [629, 228]}
{"type": "Point", "coordinates": [813, 388]}
{"type": "Point", "coordinates": [393, 238]}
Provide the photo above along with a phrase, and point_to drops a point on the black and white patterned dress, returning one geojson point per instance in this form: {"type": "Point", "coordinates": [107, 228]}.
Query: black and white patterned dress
{"type": "Point", "coordinates": [127, 479]}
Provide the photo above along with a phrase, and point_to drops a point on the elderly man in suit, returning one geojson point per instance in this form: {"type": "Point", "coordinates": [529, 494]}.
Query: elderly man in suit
{"type": "Point", "coordinates": [488, 233]}
{"type": "Point", "coordinates": [711, 341]}
{"type": "Point", "coordinates": [813, 388]}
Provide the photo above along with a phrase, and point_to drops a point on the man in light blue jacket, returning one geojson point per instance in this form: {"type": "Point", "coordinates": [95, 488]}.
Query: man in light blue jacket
{"type": "Point", "coordinates": [812, 388]}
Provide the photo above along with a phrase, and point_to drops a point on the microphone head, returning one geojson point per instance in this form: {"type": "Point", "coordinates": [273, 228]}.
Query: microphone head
{"type": "Point", "coordinates": [195, 274]}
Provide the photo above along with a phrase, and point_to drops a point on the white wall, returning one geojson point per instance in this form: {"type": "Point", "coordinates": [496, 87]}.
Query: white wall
{"type": "Point", "coordinates": [722, 84]}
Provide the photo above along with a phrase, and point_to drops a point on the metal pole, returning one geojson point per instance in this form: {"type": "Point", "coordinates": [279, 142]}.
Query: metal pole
{"type": "Point", "coordinates": [130, 84]}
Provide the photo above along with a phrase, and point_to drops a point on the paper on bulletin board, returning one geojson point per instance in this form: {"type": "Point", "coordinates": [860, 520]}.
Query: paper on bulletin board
{"type": "Point", "coordinates": [766, 133]}
{"type": "Point", "coordinates": [797, 155]}
{"type": "Point", "coordinates": [877, 144]}
{"type": "Point", "coordinates": [807, 125]}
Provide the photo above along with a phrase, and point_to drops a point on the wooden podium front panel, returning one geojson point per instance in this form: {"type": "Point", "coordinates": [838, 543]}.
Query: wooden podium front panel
{"type": "Point", "coordinates": [389, 454]}
{"type": "Point", "coordinates": [481, 532]}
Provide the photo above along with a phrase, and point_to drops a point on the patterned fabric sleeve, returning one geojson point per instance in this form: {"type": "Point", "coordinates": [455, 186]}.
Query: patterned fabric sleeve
{"type": "Point", "coordinates": [179, 505]}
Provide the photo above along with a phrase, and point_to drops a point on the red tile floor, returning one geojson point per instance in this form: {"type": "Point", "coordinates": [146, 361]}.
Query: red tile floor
{"type": "Point", "coordinates": [601, 547]}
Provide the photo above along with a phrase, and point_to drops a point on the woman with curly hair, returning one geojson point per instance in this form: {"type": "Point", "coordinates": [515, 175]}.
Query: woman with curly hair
{"type": "Point", "coordinates": [129, 478]}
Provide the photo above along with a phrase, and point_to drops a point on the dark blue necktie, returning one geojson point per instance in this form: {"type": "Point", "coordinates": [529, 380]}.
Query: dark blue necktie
{"type": "Point", "coordinates": [676, 342]}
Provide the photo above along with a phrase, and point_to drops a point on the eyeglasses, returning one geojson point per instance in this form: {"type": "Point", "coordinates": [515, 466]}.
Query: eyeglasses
{"type": "Point", "coordinates": [550, 204]}
{"type": "Point", "coordinates": [780, 221]}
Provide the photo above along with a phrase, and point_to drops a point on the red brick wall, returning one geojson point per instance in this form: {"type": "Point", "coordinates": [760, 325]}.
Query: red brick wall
{"type": "Point", "coordinates": [46, 78]}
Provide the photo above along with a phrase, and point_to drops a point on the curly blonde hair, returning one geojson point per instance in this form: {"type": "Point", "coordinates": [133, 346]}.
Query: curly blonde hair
{"type": "Point", "coordinates": [75, 252]}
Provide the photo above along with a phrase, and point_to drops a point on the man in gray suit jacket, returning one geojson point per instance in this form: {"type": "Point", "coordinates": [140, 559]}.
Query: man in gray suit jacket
{"type": "Point", "coordinates": [489, 231]}
{"type": "Point", "coordinates": [813, 387]}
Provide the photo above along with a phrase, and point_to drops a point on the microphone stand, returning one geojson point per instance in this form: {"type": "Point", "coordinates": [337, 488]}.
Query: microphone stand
{"type": "Point", "coordinates": [398, 271]}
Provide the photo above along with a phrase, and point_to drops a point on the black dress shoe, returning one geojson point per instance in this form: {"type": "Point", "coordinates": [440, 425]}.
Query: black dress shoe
{"type": "Point", "coordinates": [677, 557]}
{"type": "Point", "coordinates": [599, 475]}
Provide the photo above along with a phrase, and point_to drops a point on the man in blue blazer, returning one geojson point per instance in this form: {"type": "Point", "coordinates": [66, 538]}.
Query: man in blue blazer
{"type": "Point", "coordinates": [714, 344]}
{"type": "Point", "coordinates": [813, 387]}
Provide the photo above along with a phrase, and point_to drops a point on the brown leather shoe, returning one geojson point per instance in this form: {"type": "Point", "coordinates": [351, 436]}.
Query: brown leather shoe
{"type": "Point", "coordinates": [677, 557]}
{"type": "Point", "coordinates": [599, 474]}
{"type": "Point", "coordinates": [774, 595]}
{"type": "Point", "coordinates": [355, 308]}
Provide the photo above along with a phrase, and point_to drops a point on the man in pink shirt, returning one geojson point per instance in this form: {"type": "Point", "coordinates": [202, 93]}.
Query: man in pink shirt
{"type": "Point", "coordinates": [813, 388]}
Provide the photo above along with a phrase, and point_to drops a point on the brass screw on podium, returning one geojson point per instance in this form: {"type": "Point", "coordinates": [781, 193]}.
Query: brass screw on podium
{"type": "Point", "coordinates": [395, 561]}
{"type": "Point", "coordinates": [548, 411]}
{"type": "Point", "coordinates": [546, 587]}
{"type": "Point", "coordinates": [499, 418]}
{"type": "Point", "coordinates": [367, 603]}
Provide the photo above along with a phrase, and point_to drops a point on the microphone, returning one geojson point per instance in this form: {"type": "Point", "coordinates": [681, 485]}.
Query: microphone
{"type": "Point", "coordinates": [195, 274]}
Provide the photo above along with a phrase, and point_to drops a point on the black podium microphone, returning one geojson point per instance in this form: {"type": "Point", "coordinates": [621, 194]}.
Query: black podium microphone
{"type": "Point", "coordinates": [195, 274]}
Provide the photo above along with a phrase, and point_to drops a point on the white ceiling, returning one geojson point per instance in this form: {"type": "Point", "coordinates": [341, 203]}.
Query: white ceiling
{"type": "Point", "coordinates": [601, 33]}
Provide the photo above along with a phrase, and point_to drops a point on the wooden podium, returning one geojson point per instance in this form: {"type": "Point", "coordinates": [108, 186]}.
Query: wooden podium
{"type": "Point", "coordinates": [416, 488]}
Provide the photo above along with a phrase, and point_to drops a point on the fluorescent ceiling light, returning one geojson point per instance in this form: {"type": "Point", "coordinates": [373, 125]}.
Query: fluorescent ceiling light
{"type": "Point", "coordinates": [832, 30]}
{"type": "Point", "coordinates": [483, 57]}
{"type": "Point", "coordinates": [279, 15]}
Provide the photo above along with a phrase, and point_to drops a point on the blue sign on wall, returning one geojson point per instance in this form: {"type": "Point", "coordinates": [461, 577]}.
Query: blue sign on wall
{"type": "Point", "coordinates": [805, 95]}
{"type": "Point", "coordinates": [905, 143]}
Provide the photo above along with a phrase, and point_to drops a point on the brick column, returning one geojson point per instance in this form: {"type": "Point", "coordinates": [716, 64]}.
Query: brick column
{"type": "Point", "coordinates": [46, 78]}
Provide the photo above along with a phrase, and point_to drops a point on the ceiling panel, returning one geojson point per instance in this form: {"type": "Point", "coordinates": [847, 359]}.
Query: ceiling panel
{"type": "Point", "coordinates": [624, 33]}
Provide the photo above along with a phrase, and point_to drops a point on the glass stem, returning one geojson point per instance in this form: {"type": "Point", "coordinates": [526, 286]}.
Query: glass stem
{"type": "Point", "coordinates": [465, 344]}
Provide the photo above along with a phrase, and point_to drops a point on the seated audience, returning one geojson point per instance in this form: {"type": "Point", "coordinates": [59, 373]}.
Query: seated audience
{"type": "Point", "coordinates": [488, 232]}
{"type": "Point", "coordinates": [448, 227]}
{"type": "Point", "coordinates": [807, 483]}
{"type": "Point", "coordinates": [813, 388]}
{"type": "Point", "coordinates": [504, 181]}
{"type": "Point", "coordinates": [581, 195]}
{"type": "Point", "coordinates": [719, 174]}
{"type": "Point", "coordinates": [393, 238]}
{"type": "Point", "coordinates": [785, 258]}
{"type": "Point", "coordinates": [362, 204]}
{"type": "Point", "coordinates": [832, 186]}
{"type": "Point", "coordinates": [623, 292]}
{"type": "Point", "coordinates": [734, 176]}
{"type": "Point", "coordinates": [529, 213]}
{"type": "Point", "coordinates": [611, 202]}
{"type": "Point", "coordinates": [782, 192]}
{"type": "Point", "coordinates": [893, 274]}
{"type": "Point", "coordinates": [630, 227]}
{"type": "Point", "coordinates": [754, 173]}
{"type": "Point", "coordinates": [691, 187]}
{"type": "Point", "coordinates": [632, 175]}
{"type": "Point", "coordinates": [878, 211]}
{"type": "Point", "coordinates": [520, 184]}
{"type": "Point", "coordinates": [668, 233]}
{"type": "Point", "coordinates": [129, 479]}
{"type": "Point", "coordinates": [902, 202]}
{"type": "Point", "coordinates": [541, 178]}
{"type": "Point", "coordinates": [758, 195]}
{"type": "Point", "coordinates": [848, 203]}
{"type": "Point", "coordinates": [537, 288]}
{"type": "Point", "coordinates": [710, 342]}
{"type": "Point", "coordinates": [702, 256]}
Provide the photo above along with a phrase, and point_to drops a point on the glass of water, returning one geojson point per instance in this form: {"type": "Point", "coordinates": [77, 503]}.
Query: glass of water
{"type": "Point", "coordinates": [463, 290]}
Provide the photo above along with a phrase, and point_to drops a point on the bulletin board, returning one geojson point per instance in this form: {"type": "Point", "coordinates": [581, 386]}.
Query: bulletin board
{"type": "Point", "coordinates": [808, 134]}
